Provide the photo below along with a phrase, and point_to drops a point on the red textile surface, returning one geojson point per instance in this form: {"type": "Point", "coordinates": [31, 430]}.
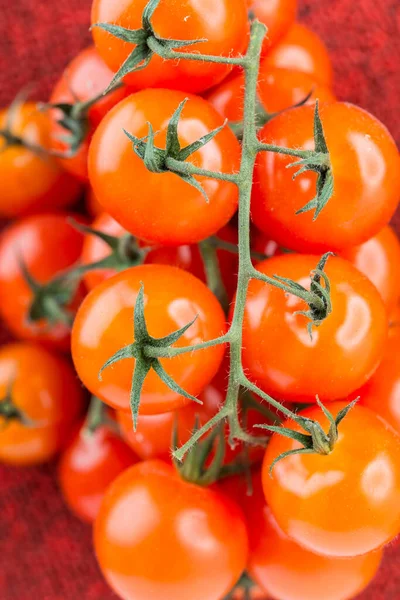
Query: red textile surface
{"type": "Point", "coordinates": [45, 552]}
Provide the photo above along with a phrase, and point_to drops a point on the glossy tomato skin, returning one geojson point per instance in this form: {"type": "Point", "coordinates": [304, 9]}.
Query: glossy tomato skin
{"type": "Point", "coordinates": [149, 205]}
{"type": "Point", "coordinates": [381, 393]}
{"type": "Point", "coordinates": [277, 15]}
{"type": "Point", "coordinates": [84, 78]}
{"type": "Point", "coordinates": [301, 49]}
{"type": "Point", "coordinates": [360, 478]}
{"type": "Point", "coordinates": [88, 466]}
{"type": "Point", "coordinates": [344, 350]}
{"type": "Point", "coordinates": [194, 538]}
{"type": "Point", "coordinates": [32, 182]}
{"type": "Point", "coordinates": [104, 324]}
{"type": "Point", "coordinates": [48, 244]}
{"type": "Point", "coordinates": [278, 89]}
{"type": "Point", "coordinates": [285, 570]}
{"type": "Point", "coordinates": [45, 388]}
{"type": "Point", "coordinates": [364, 198]}
{"type": "Point", "coordinates": [223, 23]}
{"type": "Point", "coordinates": [379, 260]}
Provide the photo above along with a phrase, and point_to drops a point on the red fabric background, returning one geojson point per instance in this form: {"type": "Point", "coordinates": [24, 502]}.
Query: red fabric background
{"type": "Point", "coordinates": [45, 552]}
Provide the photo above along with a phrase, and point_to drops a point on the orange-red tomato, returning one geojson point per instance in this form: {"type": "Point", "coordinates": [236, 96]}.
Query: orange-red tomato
{"type": "Point", "coordinates": [345, 503]}
{"type": "Point", "coordinates": [48, 244]}
{"type": "Point", "coordinates": [277, 15]}
{"type": "Point", "coordinates": [194, 538]}
{"type": "Point", "coordinates": [364, 197]}
{"type": "Point", "coordinates": [285, 570]}
{"type": "Point", "coordinates": [302, 50]}
{"type": "Point", "coordinates": [379, 260]}
{"type": "Point", "coordinates": [44, 387]}
{"type": "Point", "coordinates": [145, 203]}
{"type": "Point", "coordinates": [344, 350]}
{"type": "Point", "coordinates": [104, 325]}
{"type": "Point", "coordinates": [223, 23]}
{"type": "Point", "coordinates": [89, 465]}
{"type": "Point", "coordinates": [31, 181]}
{"type": "Point", "coordinates": [381, 393]}
{"type": "Point", "coordinates": [84, 78]}
{"type": "Point", "coordinates": [278, 89]}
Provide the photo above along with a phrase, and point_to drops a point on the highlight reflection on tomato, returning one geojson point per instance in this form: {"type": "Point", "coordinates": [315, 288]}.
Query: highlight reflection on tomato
{"type": "Point", "coordinates": [360, 206]}
{"type": "Point", "coordinates": [345, 503]}
{"type": "Point", "coordinates": [344, 350]}
{"type": "Point", "coordinates": [194, 538]}
{"type": "Point", "coordinates": [104, 325]}
{"type": "Point", "coordinates": [285, 570]}
{"type": "Point", "coordinates": [147, 204]}
{"type": "Point", "coordinates": [44, 387]}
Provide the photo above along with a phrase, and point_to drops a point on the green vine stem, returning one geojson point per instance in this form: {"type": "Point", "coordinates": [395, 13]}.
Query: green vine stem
{"type": "Point", "coordinates": [146, 350]}
{"type": "Point", "coordinates": [213, 272]}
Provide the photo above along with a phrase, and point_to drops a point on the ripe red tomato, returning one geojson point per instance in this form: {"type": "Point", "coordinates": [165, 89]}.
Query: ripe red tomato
{"type": "Point", "coordinates": [89, 465]}
{"type": "Point", "coordinates": [194, 538]}
{"type": "Point", "coordinates": [84, 78]}
{"type": "Point", "coordinates": [302, 50]}
{"type": "Point", "coordinates": [278, 89]}
{"type": "Point", "coordinates": [44, 387]}
{"type": "Point", "coordinates": [31, 181]}
{"type": "Point", "coordinates": [285, 570]}
{"type": "Point", "coordinates": [48, 245]}
{"type": "Point", "coordinates": [381, 393]}
{"type": "Point", "coordinates": [364, 197]}
{"type": "Point", "coordinates": [92, 205]}
{"type": "Point", "coordinates": [277, 15]}
{"type": "Point", "coordinates": [145, 203]}
{"type": "Point", "coordinates": [104, 324]}
{"type": "Point", "coordinates": [186, 257]}
{"type": "Point", "coordinates": [344, 350]}
{"type": "Point", "coordinates": [379, 260]}
{"type": "Point", "coordinates": [223, 23]}
{"type": "Point", "coordinates": [346, 503]}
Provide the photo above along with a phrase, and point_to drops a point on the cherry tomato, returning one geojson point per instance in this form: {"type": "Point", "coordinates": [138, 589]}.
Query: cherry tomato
{"type": "Point", "coordinates": [194, 538]}
{"type": "Point", "coordinates": [84, 78]}
{"type": "Point", "coordinates": [223, 23]}
{"type": "Point", "coordinates": [382, 392]}
{"type": "Point", "coordinates": [277, 15]}
{"type": "Point", "coordinates": [44, 388]}
{"type": "Point", "coordinates": [89, 465]}
{"type": "Point", "coordinates": [145, 203]}
{"type": "Point", "coordinates": [154, 433]}
{"type": "Point", "coordinates": [47, 244]}
{"type": "Point", "coordinates": [345, 349]}
{"type": "Point", "coordinates": [394, 321]}
{"type": "Point", "coordinates": [278, 89]}
{"type": "Point", "coordinates": [302, 50]}
{"type": "Point", "coordinates": [365, 194]}
{"type": "Point", "coordinates": [346, 503]}
{"type": "Point", "coordinates": [285, 570]}
{"type": "Point", "coordinates": [104, 324]}
{"type": "Point", "coordinates": [379, 260]}
{"type": "Point", "coordinates": [93, 207]}
{"type": "Point", "coordinates": [31, 181]}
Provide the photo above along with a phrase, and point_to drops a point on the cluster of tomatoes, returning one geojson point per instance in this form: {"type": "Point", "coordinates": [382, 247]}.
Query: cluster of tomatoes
{"type": "Point", "coordinates": [70, 283]}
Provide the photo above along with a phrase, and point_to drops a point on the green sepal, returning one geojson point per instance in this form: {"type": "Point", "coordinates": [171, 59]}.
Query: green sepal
{"type": "Point", "coordinates": [191, 148]}
{"type": "Point", "coordinates": [122, 354]}
{"type": "Point", "coordinates": [171, 383]}
{"type": "Point", "coordinates": [139, 321]}
{"type": "Point", "coordinates": [304, 440]}
{"type": "Point", "coordinates": [287, 454]}
{"type": "Point", "coordinates": [10, 412]}
{"type": "Point", "coordinates": [170, 339]}
{"type": "Point", "coordinates": [142, 367]}
{"type": "Point", "coordinates": [173, 146]}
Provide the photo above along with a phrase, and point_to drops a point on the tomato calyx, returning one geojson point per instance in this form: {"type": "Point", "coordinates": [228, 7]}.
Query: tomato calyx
{"type": "Point", "coordinates": [74, 119]}
{"type": "Point", "coordinates": [195, 467]}
{"type": "Point", "coordinates": [10, 139]}
{"type": "Point", "coordinates": [316, 441]}
{"type": "Point", "coordinates": [144, 362]}
{"type": "Point", "coordinates": [172, 158]}
{"type": "Point", "coordinates": [10, 412]}
{"type": "Point", "coordinates": [145, 40]}
{"type": "Point", "coordinates": [244, 585]}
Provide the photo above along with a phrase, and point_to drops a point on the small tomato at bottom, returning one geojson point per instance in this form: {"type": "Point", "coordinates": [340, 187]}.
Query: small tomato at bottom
{"type": "Point", "coordinates": [157, 536]}
{"type": "Point", "coordinates": [89, 465]}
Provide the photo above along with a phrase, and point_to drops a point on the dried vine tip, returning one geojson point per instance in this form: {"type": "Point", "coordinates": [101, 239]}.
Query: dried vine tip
{"type": "Point", "coordinates": [317, 160]}
{"type": "Point", "coordinates": [314, 440]}
{"type": "Point", "coordinates": [144, 362]}
{"type": "Point", "coordinates": [141, 55]}
{"type": "Point", "coordinates": [172, 158]}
